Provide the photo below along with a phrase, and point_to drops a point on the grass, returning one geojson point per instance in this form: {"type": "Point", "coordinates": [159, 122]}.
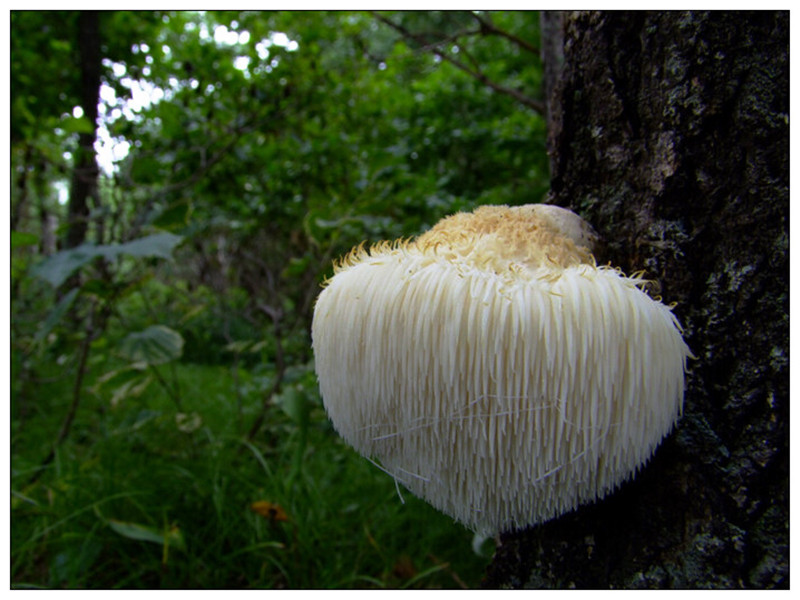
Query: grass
{"type": "Point", "coordinates": [142, 497]}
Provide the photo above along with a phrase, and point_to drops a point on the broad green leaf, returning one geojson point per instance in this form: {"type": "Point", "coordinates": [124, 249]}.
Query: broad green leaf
{"type": "Point", "coordinates": [159, 245]}
{"type": "Point", "coordinates": [155, 345]}
{"type": "Point", "coordinates": [57, 268]}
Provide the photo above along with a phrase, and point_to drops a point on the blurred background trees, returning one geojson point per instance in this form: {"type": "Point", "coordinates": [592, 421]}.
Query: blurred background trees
{"type": "Point", "coordinates": [270, 142]}
{"type": "Point", "coordinates": [181, 182]}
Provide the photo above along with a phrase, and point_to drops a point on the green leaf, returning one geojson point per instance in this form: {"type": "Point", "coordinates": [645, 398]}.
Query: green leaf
{"type": "Point", "coordinates": [56, 269]}
{"type": "Point", "coordinates": [145, 533]}
{"type": "Point", "coordinates": [187, 423]}
{"type": "Point", "coordinates": [158, 245]}
{"type": "Point", "coordinates": [296, 267]}
{"type": "Point", "coordinates": [99, 287]}
{"type": "Point", "coordinates": [257, 347]}
{"type": "Point", "coordinates": [175, 215]}
{"type": "Point", "coordinates": [21, 238]}
{"type": "Point", "coordinates": [238, 346]}
{"type": "Point", "coordinates": [192, 312]}
{"type": "Point", "coordinates": [131, 388]}
{"type": "Point", "coordinates": [420, 576]}
{"type": "Point", "coordinates": [77, 125]}
{"type": "Point", "coordinates": [295, 404]}
{"type": "Point", "coordinates": [74, 561]}
{"type": "Point", "coordinates": [155, 345]}
{"type": "Point", "coordinates": [55, 315]}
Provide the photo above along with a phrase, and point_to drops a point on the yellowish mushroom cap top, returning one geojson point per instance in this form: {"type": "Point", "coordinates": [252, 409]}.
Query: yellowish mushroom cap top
{"type": "Point", "coordinates": [534, 235]}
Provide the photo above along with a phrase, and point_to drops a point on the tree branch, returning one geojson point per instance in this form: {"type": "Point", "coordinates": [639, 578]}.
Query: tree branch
{"type": "Point", "coordinates": [488, 27]}
{"type": "Point", "coordinates": [535, 105]}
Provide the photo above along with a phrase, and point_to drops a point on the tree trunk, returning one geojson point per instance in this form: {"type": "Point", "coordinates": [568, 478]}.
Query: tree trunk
{"type": "Point", "coordinates": [83, 189]}
{"type": "Point", "coordinates": [670, 135]}
{"type": "Point", "coordinates": [551, 24]}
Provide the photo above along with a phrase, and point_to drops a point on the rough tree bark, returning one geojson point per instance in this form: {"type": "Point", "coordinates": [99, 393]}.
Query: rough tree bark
{"type": "Point", "coordinates": [670, 135]}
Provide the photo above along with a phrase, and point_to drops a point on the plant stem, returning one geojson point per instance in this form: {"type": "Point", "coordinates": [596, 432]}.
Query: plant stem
{"type": "Point", "coordinates": [66, 425]}
{"type": "Point", "coordinates": [280, 366]}
{"type": "Point", "coordinates": [172, 390]}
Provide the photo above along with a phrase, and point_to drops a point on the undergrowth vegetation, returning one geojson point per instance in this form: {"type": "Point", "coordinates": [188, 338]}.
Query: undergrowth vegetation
{"type": "Point", "coordinates": [144, 496]}
{"type": "Point", "coordinates": [181, 184]}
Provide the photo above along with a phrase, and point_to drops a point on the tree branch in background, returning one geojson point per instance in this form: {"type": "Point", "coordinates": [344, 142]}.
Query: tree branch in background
{"type": "Point", "coordinates": [488, 28]}
{"type": "Point", "coordinates": [531, 103]}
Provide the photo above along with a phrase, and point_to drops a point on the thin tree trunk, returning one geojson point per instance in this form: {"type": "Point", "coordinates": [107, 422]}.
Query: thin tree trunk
{"type": "Point", "coordinates": [83, 190]}
{"type": "Point", "coordinates": [552, 27]}
{"type": "Point", "coordinates": [671, 137]}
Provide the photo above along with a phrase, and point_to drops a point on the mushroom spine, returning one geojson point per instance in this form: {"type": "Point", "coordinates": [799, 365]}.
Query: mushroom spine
{"type": "Point", "coordinates": [493, 369]}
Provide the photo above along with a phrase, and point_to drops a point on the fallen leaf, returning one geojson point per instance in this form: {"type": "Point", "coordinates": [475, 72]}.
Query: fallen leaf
{"type": "Point", "coordinates": [269, 510]}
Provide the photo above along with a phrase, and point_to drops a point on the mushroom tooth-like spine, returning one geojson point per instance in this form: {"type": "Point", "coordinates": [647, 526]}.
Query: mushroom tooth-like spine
{"type": "Point", "coordinates": [503, 389]}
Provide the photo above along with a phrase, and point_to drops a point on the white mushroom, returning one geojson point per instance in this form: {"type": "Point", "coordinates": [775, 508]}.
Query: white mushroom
{"type": "Point", "coordinates": [493, 369]}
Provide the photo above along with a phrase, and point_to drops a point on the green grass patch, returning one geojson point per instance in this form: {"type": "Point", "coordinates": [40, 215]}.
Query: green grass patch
{"type": "Point", "coordinates": [144, 495]}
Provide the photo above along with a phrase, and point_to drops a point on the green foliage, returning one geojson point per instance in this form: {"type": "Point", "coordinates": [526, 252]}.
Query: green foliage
{"type": "Point", "coordinates": [167, 361]}
{"type": "Point", "coordinates": [153, 346]}
{"type": "Point", "coordinates": [56, 269]}
{"type": "Point", "coordinates": [42, 49]}
{"type": "Point", "coordinates": [139, 501]}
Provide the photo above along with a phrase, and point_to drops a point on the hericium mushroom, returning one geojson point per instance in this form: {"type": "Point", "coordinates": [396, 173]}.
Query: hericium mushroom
{"type": "Point", "coordinates": [490, 367]}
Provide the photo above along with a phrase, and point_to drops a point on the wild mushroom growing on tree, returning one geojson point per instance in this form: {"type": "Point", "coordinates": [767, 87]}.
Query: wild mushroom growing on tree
{"type": "Point", "coordinates": [493, 369]}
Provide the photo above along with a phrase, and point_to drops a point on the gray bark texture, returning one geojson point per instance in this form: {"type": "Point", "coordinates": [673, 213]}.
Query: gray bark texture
{"type": "Point", "coordinates": [669, 134]}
